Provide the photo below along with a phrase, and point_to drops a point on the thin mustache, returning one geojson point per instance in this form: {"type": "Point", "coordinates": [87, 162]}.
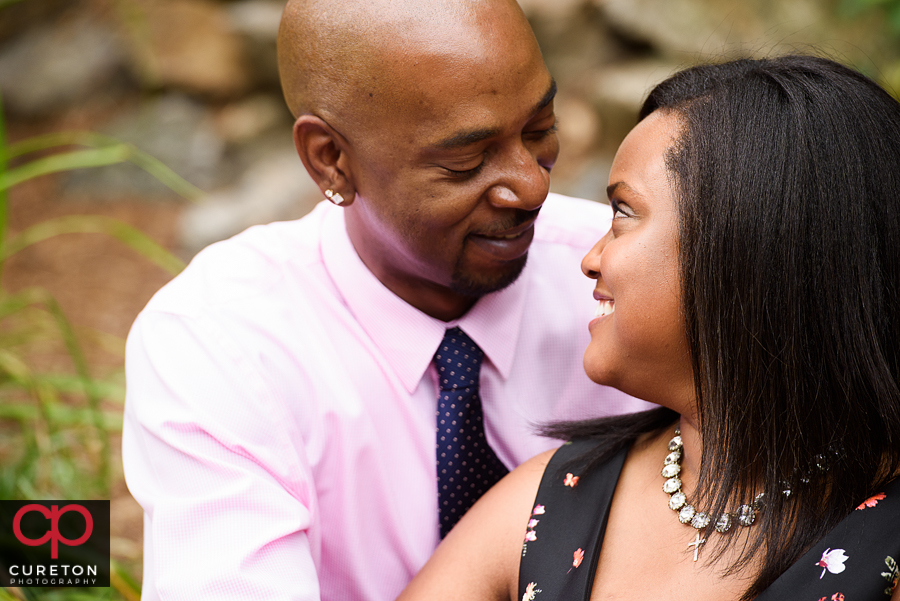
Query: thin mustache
{"type": "Point", "coordinates": [519, 217]}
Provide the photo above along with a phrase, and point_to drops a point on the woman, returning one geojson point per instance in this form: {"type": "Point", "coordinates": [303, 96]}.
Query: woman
{"type": "Point", "coordinates": [748, 286]}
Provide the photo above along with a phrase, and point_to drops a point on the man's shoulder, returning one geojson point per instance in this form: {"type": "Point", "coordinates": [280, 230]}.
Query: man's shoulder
{"type": "Point", "coordinates": [252, 264]}
{"type": "Point", "coordinates": [574, 222]}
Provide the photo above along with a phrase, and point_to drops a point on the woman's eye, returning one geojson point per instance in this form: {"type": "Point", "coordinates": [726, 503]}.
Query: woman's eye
{"type": "Point", "coordinates": [617, 210]}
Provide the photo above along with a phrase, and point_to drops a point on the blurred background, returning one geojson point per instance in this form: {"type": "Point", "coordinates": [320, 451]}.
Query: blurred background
{"type": "Point", "coordinates": [139, 131]}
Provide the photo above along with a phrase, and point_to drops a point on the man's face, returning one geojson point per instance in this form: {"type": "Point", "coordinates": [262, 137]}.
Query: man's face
{"type": "Point", "coordinates": [453, 169]}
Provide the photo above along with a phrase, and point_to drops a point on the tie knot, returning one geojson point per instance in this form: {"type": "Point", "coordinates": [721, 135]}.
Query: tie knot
{"type": "Point", "coordinates": [458, 360]}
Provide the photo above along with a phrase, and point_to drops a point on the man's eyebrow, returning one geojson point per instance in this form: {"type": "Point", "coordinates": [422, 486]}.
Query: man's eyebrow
{"type": "Point", "coordinates": [465, 138]}
{"type": "Point", "coordinates": [547, 99]}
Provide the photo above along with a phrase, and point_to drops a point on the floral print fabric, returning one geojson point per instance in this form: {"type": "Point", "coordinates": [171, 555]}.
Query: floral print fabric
{"type": "Point", "coordinates": [856, 561]}
{"type": "Point", "coordinates": [559, 553]}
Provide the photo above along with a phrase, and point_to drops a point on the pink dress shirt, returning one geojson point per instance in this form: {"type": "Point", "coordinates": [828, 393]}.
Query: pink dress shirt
{"type": "Point", "coordinates": [280, 416]}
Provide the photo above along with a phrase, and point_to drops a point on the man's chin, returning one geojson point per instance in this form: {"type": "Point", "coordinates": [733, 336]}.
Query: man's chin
{"type": "Point", "coordinates": [475, 284]}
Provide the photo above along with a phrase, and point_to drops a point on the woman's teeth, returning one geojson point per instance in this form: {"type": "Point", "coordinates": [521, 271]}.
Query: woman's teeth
{"type": "Point", "coordinates": [604, 308]}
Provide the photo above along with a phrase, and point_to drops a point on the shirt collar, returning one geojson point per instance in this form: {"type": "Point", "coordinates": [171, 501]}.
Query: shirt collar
{"type": "Point", "coordinates": [407, 337]}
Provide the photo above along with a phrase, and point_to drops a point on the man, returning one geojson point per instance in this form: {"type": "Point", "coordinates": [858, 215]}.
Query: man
{"type": "Point", "coordinates": [281, 424]}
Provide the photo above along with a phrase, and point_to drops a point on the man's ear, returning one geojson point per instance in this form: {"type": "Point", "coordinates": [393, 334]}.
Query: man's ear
{"type": "Point", "coordinates": [324, 154]}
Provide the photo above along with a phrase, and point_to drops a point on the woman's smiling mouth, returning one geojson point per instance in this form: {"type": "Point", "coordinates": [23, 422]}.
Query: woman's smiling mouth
{"type": "Point", "coordinates": [605, 307]}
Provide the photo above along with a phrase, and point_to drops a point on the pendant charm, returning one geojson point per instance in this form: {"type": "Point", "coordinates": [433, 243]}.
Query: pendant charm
{"type": "Point", "coordinates": [696, 544]}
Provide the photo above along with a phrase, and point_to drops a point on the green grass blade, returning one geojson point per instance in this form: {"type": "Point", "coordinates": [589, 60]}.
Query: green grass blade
{"type": "Point", "coordinates": [81, 368]}
{"type": "Point", "coordinates": [13, 366]}
{"type": "Point", "coordinates": [62, 415]}
{"type": "Point", "coordinates": [5, 593]}
{"type": "Point", "coordinates": [11, 304]}
{"type": "Point", "coordinates": [123, 582]}
{"type": "Point", "coordinates": [95, 224]}
{"type": "Point", "coordinates": [166, 176]}
{"type": "Point", "coordinates": [4, 202]}
{"type": "Point", "coordinates": [68, 384]}
{"type": "Point", "coordinates": [103, 146]}
{"type": "Point", "coordinates": [76, 159]}
{"type": "Point", "coordinates": [59, 138]}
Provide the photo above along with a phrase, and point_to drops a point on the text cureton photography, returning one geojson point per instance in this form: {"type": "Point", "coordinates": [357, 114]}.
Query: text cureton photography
{"type": "Point", "coordinates": [54, 543]}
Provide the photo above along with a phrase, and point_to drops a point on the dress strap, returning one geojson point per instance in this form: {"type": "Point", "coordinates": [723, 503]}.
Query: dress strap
{"type": "Point", "coordinates": [565, 532]}
{"type": "Point", "coordinates": [858, 560]}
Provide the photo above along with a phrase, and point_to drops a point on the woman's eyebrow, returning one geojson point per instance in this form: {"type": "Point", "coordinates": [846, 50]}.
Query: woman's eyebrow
{"type": "Point", "coordinates": [611, 189]}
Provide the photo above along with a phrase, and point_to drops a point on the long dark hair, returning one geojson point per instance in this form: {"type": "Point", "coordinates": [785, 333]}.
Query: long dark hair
{"type": "Point", "coordinates": [787, 180]}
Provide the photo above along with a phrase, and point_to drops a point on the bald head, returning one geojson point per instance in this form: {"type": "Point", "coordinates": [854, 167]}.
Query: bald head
{"type": "Point", "coordinates": [344, 59]}
{"type": "Point", "coordinates": [433, 120]}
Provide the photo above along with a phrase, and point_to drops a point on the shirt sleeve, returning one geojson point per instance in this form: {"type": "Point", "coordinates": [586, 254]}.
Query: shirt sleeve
{"type": "Point", "coordinates": [214, 459]}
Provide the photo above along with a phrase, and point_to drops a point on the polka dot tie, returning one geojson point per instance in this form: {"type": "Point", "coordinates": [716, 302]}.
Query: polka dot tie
{"type": "Point", "coordinates": [466, 465]}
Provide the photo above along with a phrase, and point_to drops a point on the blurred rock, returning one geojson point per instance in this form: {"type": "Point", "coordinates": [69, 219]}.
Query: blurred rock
{"type": "Point", "coordinates": [53, 66]}
{"type": "Point", "coordinates": [579, 131]}
{"type": "Point", "coordinates": [190, 45]}
{"type": "Point", "coordinates": [257, 21]}
{"type": "Point", "coordinates": [690, 30]}
{"type": "Point", "coordinates": [618, 91]}
{"type": "Point", "coordinates": [589, 180]}
{"type": "Point", "coordinates": [244, 120]}
{"type": "Point", "coordinates": [579, 125]}
{"type": "Point", "coordinates": [173, 128]}
{"type": "Point", "coordinates": [556, 10]}
{"type": "Point", "coordinates": [275, 188]}
{"type": "Point", "coordinates": [574, 38]}
{"type": "Point", "coordinates": [626, 84]}
{"type": "Point", "coordinates": [25, 16]}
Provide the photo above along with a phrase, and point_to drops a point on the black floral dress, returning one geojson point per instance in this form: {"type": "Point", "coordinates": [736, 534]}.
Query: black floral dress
{"type": "Point", "coordinates": [856, 561]}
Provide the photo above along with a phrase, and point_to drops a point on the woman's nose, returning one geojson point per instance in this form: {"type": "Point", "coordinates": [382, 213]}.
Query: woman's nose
{"type": "Point", "coordinates": [590, 264]}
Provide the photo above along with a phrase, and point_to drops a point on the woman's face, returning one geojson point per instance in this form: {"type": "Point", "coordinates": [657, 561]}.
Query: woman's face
{"type": "Point", "coordinates": [638, 343]}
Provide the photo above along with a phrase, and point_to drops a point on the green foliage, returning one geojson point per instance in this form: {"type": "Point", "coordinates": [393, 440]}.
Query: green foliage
{"type": "Point", "coordinates": [55, 427]}
{"type": "Point", "coordinates": [100, 151]}
{"type": "Point", "coordinates": [890, 9]}
{"type": "Point", "coordinates": [879, 22]}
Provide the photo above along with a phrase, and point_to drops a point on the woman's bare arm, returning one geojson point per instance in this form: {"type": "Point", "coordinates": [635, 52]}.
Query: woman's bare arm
{"type": "Point", "coordinates": [479, 559]}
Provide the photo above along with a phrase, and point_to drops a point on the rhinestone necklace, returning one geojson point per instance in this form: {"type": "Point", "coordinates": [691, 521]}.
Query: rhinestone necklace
{"type": "Point", "coordinates": [745, 515]}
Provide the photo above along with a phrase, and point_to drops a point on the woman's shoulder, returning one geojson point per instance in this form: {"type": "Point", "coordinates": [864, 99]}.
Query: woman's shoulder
{"type": "Point", "coordinates": [486, 544]}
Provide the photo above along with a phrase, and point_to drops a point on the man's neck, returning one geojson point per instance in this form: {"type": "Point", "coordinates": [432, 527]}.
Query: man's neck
{"type": "Point", "coordinates": [432, 299]}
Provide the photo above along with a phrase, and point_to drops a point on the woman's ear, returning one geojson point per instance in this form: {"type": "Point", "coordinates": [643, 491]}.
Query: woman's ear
{"type": "Point", "coordinates": [324, 154]}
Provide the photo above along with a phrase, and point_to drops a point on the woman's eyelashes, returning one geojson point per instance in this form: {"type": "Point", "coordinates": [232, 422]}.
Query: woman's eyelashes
{"type": "Point", "coordinates": [619, 209]}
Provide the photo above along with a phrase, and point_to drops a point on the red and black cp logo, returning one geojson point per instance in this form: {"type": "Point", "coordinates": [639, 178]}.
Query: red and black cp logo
{"type": "Point", "coordinates": [52, 535]}
{"type": "Point", "coordinates": [65, 543]}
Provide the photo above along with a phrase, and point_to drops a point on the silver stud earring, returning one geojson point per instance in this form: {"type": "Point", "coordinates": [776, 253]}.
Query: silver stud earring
{"type": "Point", "coordinates": [334, 197]}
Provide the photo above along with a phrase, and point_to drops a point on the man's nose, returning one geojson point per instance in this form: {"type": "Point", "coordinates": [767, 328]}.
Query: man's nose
{"type": "Point", "coordinates": [524, 184]}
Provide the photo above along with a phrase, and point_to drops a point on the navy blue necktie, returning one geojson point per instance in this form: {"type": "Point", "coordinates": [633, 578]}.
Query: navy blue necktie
{"type": "Point", "coordinates": [466, 465]}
